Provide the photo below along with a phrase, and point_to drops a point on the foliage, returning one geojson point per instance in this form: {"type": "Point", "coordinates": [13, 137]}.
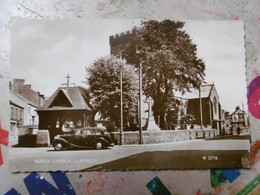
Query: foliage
{"type": "Point", "coordinates": [188, 118]}
{"type": "Point", "coordinates": [86, 95]}
{"type": "Point", "coordinates": [169, 61]}
{"type": "Point", "coordinates": [103, 80]}
{"type": "Point", "coordinates": [111, 126]}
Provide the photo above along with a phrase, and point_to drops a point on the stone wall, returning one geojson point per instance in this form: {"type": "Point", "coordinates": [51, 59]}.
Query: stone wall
{"type": "Point", "coordinates": [152, 137]}
{"type": "Point", "coordinates": [27, 129]}
{"type": "Point", "coordinates": [119, 41]}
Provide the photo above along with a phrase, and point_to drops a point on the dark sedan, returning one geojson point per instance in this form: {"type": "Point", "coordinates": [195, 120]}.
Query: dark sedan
{"type": "Point", "coordinates": [83, 138]}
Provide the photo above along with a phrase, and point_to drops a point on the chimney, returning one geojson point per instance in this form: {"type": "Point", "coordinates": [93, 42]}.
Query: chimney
{"type": "Point", "coordinates": [18, 85]}
{"type": "Point", "coordinates": [29, 86]}
{"type": "Point", "coordinates": [227, 114]}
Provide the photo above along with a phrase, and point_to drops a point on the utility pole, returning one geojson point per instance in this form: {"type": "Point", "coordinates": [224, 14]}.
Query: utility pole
{"type": "Point", "coordinates": [201, 115]}
{"type": "Point", "coordinates": [121, 103]}
{"type": "Point", "coordinates": [140, 103]}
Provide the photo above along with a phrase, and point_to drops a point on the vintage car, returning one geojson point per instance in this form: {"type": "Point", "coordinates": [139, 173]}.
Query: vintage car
{"type": "Point", "coordinates": [83, 138]}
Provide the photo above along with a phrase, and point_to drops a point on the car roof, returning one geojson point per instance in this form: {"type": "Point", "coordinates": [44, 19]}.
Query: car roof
{"type": "Point", "coordinates": [94, 128]}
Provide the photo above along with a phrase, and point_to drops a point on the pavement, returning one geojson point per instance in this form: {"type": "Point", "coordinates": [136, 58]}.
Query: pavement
{"type": "Point", "coordinates": [241, 136]}
{"type": "Point", "coordinates": [222, 143]}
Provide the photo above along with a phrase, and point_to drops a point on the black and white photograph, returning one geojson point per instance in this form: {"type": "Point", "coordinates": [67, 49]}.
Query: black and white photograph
{"type": "Point", "coordinates": [110, 94]}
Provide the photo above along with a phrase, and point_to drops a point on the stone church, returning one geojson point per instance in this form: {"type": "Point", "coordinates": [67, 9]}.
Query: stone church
{"type": "Point", "coordinates": [212, 114]}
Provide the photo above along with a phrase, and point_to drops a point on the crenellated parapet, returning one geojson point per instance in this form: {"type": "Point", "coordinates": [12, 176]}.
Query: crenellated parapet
{"type": "Point", "coordinates": [120, 38]}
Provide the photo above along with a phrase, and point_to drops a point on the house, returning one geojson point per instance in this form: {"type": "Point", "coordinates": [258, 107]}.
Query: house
{"type": "Point", "coordinates": [32, 98]}
{"type": "Point", "coordinates": [239, 118]}
{"type": "Point", "coordinates": [25, 90]}
{"type": "Point", "coordinates": [17, 110]}
{"type": "Point", "coordinates": [23, 104]}
{"type": "Point", "coordinates": [64, 111]}
{"type": "Point", "coordinates": [227, 123]}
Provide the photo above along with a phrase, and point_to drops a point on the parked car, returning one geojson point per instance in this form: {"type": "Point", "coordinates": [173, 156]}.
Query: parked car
{"type": "Point", "coordinates": [83, 138]}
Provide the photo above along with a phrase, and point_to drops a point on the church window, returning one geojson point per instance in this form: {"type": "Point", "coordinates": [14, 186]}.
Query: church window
{"type": "Point", "coordinates": [215, 105]}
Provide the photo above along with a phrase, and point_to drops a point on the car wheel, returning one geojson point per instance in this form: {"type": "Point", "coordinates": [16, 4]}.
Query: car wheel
{"type": "Point", "coordinates": [98, 145]}
{"type": "Point", "coordinates": [59, 146]}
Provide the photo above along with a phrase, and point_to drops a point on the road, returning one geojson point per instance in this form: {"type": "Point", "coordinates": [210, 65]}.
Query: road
{"type": "Point", "coordinates": [175, 155]}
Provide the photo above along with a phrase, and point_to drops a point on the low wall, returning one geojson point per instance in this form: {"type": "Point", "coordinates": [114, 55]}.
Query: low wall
{"type": "Point", "coordinates": [27, 129]}
{"type": "Point", "coordinates": [196, 134]}
{"type": "Point", "coordinates": [151, 137]}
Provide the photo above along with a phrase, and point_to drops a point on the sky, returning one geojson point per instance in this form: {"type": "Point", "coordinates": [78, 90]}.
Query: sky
{"type": "Point", "coordinates": [44, 51]}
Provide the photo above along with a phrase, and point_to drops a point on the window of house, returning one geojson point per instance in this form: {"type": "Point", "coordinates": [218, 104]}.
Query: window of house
{"type": "Point", "coordinates": [21, 114]}
{"type": "Point", "coordinates": [12, 112]}
{"type": "Point", "coordinates": [16, 113]}
{"type": "Point", "coordinates": [33, 120]}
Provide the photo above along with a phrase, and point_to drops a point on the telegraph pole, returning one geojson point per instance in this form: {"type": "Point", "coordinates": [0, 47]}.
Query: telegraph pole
{"type": "Point", "coordinates": [121, 103]}
{"type": "Point", "coordinates": [201, 115]}
{"type": "Point", "coordinates": [140, 103]}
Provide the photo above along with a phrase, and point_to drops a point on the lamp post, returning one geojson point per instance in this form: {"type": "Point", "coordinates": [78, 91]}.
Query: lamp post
{"type": "Point", "coordinates": [140, 103]}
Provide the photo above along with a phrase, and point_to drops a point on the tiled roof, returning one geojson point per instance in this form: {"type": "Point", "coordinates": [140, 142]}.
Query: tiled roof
{"type": "Point", "coordinates": [15, 99]}
{"type": "Point", "coordinates": [20, 100]}
{"type": "Point", "coordinates": [73, 96]}
{"type": "Point", "coordinates": [238, 111]}
{"type": "Point", "coordinates": [194, 94]}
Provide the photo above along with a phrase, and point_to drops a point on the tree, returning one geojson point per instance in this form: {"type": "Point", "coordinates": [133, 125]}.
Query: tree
{"type": "Point", "coordinates": [169, 60]}
{"type": "Point", "coordinates": [103, 80]}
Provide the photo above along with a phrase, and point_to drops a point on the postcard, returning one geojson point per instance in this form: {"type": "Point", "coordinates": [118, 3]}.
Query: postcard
{"type": "Point", "coordinates": [127, 95]}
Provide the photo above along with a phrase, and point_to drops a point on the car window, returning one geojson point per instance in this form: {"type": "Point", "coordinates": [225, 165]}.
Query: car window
{"type": "Point", "coordinates": [98, 132]}
{"type": "Point", "coordinates": [91, 132]}
{"type": "Point", "coordinates": [85, 132]}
